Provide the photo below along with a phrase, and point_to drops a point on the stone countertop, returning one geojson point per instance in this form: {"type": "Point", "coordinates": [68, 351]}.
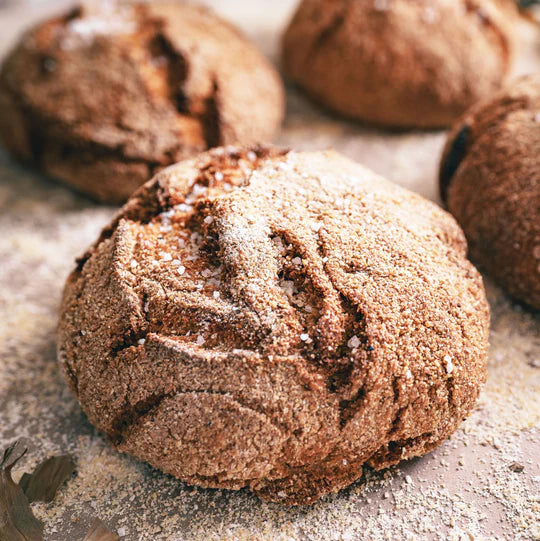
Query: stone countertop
{"type": "Point", "coordinates": [466, 489]}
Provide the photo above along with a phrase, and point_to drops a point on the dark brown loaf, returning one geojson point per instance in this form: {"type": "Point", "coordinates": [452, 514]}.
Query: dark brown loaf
{"type": "Point", "coordinates": [490, 180]}
{"type": "Point", "coordinates": [103, 99]}
{"type": "Point", "coordinates": [275, 320]}
{"type": "Point", "coordinates": [399, 63]}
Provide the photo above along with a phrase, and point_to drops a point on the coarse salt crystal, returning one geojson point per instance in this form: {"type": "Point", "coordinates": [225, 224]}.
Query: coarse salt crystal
{"type": "Point", "coordinates": [183, 207]}
{"type": "Point", "coordinates": [218, 176]}
{"type": "Point", "coordinates": [288, 287]}
{"type": "Point", "coordinates": [167, 214]}
{"type": "Point", "coordinates": [121, 532]}
{"type": "Point", "coordinates": [315, 227]}
{"type": "Point", "coordinates": [181, 270]}
{"type": "Point", "coordinates": [297, 261]}
{"type": "Point", "coordinates": [449, 365]}
{"type": "Point", "coordinates": [216, 294]}
{"type": "Point", "coordinates": [208, 220]}
{"type": "Point", "coordinates": [200, 340]}
{"type": "Point", "coordinates": [142, 341]}
{"type": "Point", "coordinates": [198, 189]}
{"type": "Point", "coordinates": [251, 156]}
{"type": "Point", "coordinates": [304, 337]}
{"type": "Point", "coordinates": [165, 256]}
{"type": "Point", "coordinates": [354, 342]}
{"type": "Point", "coordinates": [279, 244]}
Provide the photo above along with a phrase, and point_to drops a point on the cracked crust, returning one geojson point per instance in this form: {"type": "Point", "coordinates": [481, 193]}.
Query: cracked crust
{"type": "Point", "coordinates": [103, 97]}
{"type": "Point", "coordinates": [490, 180]}
{"type": "Point", "coordinates": [399, 63]}
{"type": "Point", "coordinates": [275, 320]}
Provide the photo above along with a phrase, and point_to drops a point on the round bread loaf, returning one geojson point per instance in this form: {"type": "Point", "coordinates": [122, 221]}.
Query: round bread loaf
{"type": "Point", "coordinates": [275, 320]}
{"type": "Point", "coordinates": [490, 180]}
{"type": "Point", "coordinates": [105, 96]}
{"type": "Point", "coordinates": [399, 63]}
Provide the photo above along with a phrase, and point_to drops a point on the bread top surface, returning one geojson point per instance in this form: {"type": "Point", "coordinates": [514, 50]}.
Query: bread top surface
{"type": "Point", "coordinates": [399, 63]}
{"type": "Point", "coordinates": [153, 81]}
{"type": "Point", "coordinates": [306, 259]}
{"type": "Point", "coordinates": [490, 180]}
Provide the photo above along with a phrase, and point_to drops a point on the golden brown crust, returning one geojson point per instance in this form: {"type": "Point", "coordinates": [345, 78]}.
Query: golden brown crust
{"type": "Point", "coordinates": [102, 100]}
{"type": "Point", "coordinates": [399, 63]}
{"type": "Point", "coordinates": [490, 179]}
{"type": "Point", "coordinates": [275, 320]}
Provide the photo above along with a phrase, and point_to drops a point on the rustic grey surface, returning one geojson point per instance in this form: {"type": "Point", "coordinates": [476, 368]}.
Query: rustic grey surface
{"type": "Point", "coordinates": [467, 489]}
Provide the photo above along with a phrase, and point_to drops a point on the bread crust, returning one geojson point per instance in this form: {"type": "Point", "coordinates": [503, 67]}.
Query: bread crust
{"type": "Point", "coordinates": [275, 320]}
{"type": "Point", "coordinates": [104, 99]}
{"type": "Point", "coordinates": [490, 180]}
{"type": "Point", "coordinates": [399, 63]}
